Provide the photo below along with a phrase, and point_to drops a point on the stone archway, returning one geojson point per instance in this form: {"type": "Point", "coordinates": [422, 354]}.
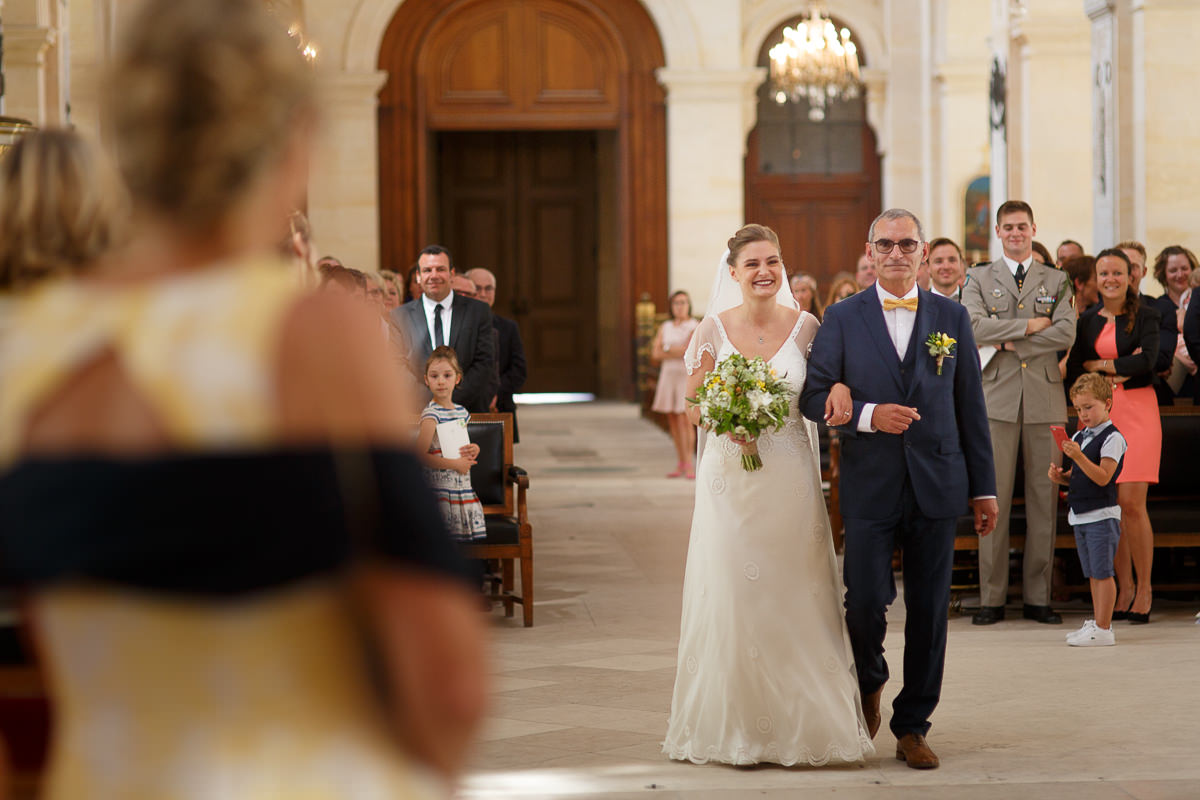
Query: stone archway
{"type": "Point", "coordinates": [533, 65]}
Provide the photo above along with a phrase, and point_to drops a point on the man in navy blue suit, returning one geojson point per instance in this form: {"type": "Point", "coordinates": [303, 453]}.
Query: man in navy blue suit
{"type": "Point", "coordinates": [915, 451]}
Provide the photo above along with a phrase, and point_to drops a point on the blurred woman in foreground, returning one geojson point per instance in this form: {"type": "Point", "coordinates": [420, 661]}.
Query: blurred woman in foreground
{"type": "Point", "coordinates": [250, 593]}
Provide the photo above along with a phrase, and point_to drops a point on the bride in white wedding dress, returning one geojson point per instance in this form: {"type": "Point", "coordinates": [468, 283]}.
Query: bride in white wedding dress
{"type": "Point", "coordinates": [765, 671]}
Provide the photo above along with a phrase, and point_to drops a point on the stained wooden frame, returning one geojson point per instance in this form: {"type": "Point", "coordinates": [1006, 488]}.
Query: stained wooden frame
{"type": "Point", "coordinates": [425, 94]}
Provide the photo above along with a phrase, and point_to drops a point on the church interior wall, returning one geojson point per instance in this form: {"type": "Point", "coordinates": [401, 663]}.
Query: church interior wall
{"type": "Point", "coordinates": [926, 73]}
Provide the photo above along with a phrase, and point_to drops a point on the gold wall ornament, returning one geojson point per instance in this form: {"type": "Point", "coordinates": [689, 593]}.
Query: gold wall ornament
{"type": "Point", "coordinates": [12, 129]}
{"type": "Point", "coordinates": [814, 61]}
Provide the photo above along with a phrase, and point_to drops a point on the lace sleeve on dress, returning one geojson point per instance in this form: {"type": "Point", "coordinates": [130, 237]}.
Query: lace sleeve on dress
{"type": "Point", "coordinates": [705, 339]}
{"type": "Point", "coordinates": [806, 334]}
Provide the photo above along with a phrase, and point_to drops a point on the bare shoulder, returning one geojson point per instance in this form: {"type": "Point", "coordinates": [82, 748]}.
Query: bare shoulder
{"type": "Point", "coordinates": [332, 375]}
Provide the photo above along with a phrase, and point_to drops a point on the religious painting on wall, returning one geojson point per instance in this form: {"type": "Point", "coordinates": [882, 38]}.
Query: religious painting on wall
{"type": "Point", "coordinates": [977, 220]}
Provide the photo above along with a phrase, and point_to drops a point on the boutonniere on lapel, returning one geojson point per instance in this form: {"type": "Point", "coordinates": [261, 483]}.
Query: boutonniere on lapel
{"type": "Point", "coordinates": [941, 346]}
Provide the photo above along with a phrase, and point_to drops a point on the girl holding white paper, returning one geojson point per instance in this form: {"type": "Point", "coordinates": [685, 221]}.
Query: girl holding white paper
{"type": "Point", "coordinates": [444, 428]}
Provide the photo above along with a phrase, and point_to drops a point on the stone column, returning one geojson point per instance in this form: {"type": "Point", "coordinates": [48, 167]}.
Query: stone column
{"type": "Point", "coordinates": [709, 115]}
{"type": "Point", "coordinates": [343, 184]}
{"type": "Point", "coordinates": [1105, 113]}
{"type": "Point", "coordinates": [907, 180]}
{"type": "Point", "coordinates": [1051, 168]}
{"type": "Point", "coordinates": [998, 95]}
{"type": "Point", "coordinates": [1167, 127]}
{"type": "Point", "coordinates": [25, 50]}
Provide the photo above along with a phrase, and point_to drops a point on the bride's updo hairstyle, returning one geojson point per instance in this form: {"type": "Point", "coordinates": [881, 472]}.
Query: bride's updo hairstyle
{"type": "Point", "coordinates": [202, 98]}
{"type": "Point", "coordinates": [749, 234]}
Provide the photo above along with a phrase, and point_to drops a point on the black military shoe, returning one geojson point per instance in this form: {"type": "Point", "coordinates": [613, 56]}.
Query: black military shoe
{"type": "Point", "coordinates": [988, 615]}
{"type": "Point", "coordinates": [1042, 614]}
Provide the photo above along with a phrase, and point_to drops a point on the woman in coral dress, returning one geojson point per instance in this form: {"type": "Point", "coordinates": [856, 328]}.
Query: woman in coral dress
{"type": "Point", "coordinates": [1119, 338]}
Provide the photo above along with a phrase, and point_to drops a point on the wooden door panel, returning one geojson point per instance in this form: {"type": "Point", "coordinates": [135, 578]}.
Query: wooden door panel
{"type": "Point", "coordinates": [475, 63]}
{"type": "Point", "coordinates": [572, 60]}
{"type": "Point", "coordinates": [523, 205]}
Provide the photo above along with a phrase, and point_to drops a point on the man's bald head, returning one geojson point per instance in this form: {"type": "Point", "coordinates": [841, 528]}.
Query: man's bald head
{"type": "Point", "coordinates": [485, 284]}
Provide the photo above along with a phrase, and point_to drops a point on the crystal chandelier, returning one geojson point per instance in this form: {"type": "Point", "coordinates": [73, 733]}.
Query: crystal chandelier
{"type": "Point", "coordinates": [814, 63]}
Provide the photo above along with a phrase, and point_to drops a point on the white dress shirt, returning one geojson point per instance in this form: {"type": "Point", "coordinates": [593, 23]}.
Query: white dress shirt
{"type": "Point", "coordinates": [446, 303]}
{"type": "Point", "coordinates": [954, 295]}
{"type": "Point", "coordinates": [900, 323]}
{"type": "Point", "coordinates": [1013, 265]}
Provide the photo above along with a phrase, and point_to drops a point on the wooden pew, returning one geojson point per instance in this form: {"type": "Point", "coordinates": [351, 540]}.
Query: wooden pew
{"type": "Point", "coordinates": [1173, 503]}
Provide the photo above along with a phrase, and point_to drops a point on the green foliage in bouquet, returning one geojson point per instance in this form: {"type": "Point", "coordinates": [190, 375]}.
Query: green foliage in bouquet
{"type": "Point", "coordinates": [745, 397]}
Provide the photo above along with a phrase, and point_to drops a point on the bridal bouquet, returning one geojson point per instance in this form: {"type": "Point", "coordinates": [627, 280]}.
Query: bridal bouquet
{"type": "Point", "coordinates": [745, 397]}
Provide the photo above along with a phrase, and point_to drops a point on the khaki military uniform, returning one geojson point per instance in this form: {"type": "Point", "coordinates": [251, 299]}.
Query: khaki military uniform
{"type": "Point", "coordinates": [1024, 394]}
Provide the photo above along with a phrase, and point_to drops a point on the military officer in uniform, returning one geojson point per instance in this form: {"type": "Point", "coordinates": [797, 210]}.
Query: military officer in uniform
{"type": "Point", "coordinates": [1022, 316]}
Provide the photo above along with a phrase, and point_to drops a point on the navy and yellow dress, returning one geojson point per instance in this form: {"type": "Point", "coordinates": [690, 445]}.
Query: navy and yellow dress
{"type": "Point", "coordinates": [187, 606]}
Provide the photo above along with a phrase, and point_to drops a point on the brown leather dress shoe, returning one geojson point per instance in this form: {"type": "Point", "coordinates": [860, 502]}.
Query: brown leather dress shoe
{"type": "Point", "coordinates": [912, 749]}
{"type": "Point", "coordinates": [871, 711]}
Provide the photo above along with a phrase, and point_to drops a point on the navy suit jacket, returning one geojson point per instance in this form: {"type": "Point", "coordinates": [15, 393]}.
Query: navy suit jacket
{"type": "Point", "coordinates": [472, 339]}
{"type": "Point", "coordinates": [947, 454]}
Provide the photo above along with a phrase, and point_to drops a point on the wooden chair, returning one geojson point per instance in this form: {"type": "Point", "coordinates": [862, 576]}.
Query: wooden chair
{"type": "Point", "coordinates": [501, 488]}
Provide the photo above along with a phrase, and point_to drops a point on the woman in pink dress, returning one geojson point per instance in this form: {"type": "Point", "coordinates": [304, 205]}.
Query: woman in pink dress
{"type": "Point", "coordinates": [1119, 339]}
{"type": "Point", "coordinates": [668, 347]}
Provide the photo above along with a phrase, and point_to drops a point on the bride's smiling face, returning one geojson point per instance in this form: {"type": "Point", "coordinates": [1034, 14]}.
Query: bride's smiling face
{"type": "Point", "coordinates": [759, 270]}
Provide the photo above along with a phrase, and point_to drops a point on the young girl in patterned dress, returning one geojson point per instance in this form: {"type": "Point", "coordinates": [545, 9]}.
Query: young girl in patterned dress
{"type": "Point", "coordinates": [449, 477]}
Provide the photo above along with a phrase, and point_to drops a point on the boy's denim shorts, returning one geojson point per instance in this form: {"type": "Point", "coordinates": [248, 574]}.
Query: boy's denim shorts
{"type": "Point", "coordinates": [1097, 545]}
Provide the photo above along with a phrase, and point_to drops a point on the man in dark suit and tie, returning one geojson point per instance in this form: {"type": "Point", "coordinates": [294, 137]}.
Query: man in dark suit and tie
{"type": "Point", "coordinates": [510, 352]}
{"type": "Point", "coordinates": [915, 452]}
{"type": "Point", "coordinates": [947, 269]}
{"type": "Point", "coordinates": [438, 317]}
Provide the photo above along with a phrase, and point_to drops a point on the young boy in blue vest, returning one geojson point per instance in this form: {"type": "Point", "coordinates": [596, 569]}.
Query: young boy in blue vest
{"type": "Point", "coordinates": [1097, 450]}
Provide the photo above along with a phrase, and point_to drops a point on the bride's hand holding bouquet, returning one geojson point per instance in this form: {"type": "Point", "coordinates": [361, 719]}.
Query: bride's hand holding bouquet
{"type": "Point", "coordinates": [743, 398]}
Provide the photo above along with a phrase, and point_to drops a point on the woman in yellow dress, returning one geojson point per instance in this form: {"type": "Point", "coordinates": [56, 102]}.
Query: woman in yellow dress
{"type": "Point", "coordinates": [238, 581]}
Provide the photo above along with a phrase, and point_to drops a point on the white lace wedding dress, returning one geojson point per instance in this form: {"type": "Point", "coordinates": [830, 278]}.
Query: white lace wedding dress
{"type": "Point", "coordinates": [765, 671]}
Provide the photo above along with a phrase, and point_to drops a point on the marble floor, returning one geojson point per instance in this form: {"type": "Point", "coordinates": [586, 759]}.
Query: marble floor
{"type": "Point", "coordinates": [581, 699]}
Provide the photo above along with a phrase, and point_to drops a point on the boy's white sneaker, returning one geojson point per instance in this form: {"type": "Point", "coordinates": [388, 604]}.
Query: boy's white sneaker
{"type": "Point", "coordinates": [1096, 637]}
{"type": "Point", "coordinates": [1088, 625]}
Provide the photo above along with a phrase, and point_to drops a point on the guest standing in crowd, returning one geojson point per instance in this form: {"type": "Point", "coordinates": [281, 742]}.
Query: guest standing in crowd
{"type": "Point", "coordinates": [1191, 330]}
{"type": "Point", "coordinates": [842, 286]}
{"type": "Point", "coordinates": [62, 207]}
{"type": "Point", "coordinates": [412, 283]}
{"type": "Point", "coordinates": [1022, 309]}
{"type": "Point", "coordinates": [1068, 249]}
{"type": "Point", "coordinates": [1118, 339]}
{"type": "Point", "coordinates": [1184, 366]}
{"type": "Point", "coordinates": [1082, 272]}
{"type": "Point", "coordinates": [1041, 254]}
{"type": "Point", "coordinates": [668, 348]}
{"type": "Point", "coordinates": [442, 316]}
{"type": "Point", "coordinates": [204, 600]}
{"type": "Point", "coordinates": [1172, 267]}
{"type": "Point", "coordinates": [392, 290]}
{"type": "Point", "coordinates": [947, 270]}
{"type": "Point", "coordinates": [298, 249]}
{"type": "Point", "coordinates": [804, 289]}
{"type": "Point", "coordinates": [864, 273]}
{"type": "Point", "coordinates": [510, 352]}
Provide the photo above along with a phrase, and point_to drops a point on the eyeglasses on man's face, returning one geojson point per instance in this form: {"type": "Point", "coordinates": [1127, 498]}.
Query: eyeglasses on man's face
{"type": "Point", "coordinates": [884, 246]}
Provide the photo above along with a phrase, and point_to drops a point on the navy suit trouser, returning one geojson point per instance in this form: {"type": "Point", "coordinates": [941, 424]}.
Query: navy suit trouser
{"type": "Point", "coordinates": [927, 547]}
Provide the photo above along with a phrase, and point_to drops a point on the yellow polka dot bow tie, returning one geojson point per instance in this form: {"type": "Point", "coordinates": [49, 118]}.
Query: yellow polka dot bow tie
{"type": "Point", "coordinates": [891, 305]}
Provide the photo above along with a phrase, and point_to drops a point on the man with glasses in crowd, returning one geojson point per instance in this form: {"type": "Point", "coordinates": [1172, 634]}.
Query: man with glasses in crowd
{"type": "Point", "coordinates": [1023, 315]}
